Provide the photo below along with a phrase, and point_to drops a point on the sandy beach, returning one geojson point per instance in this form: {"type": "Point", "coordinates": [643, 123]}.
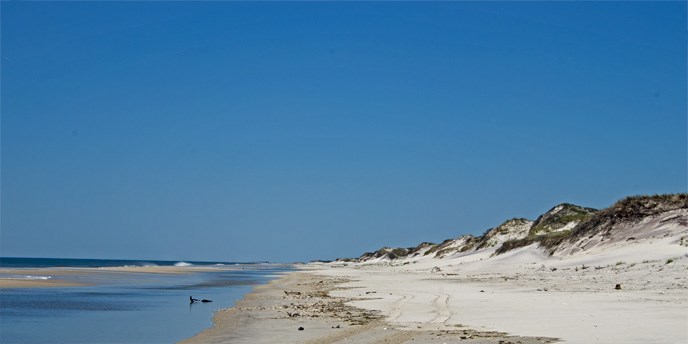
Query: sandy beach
{"type": "Point", "coordinates": [581, 306]}
{"type": "Point", "coordinates": [309, 300]}
{"type": "Point", "coordinates": [376, 304]}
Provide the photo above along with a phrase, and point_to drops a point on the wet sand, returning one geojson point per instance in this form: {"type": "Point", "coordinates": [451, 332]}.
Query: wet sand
{"type": "Point", "coordinates": [63, 277]}
{"type": "Point", "coordinates": [50, 283]}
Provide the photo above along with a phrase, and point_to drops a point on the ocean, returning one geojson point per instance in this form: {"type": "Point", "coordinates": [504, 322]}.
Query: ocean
{"type": "Point", "coordinates": [119, 306]}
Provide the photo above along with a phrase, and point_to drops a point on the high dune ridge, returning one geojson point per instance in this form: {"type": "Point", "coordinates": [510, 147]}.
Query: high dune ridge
{"type": "Point", "coordinates": [565, 228]}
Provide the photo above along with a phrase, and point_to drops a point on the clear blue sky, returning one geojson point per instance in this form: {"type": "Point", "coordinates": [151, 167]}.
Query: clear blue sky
{"type": "Point", "coordinates": [297, 131]}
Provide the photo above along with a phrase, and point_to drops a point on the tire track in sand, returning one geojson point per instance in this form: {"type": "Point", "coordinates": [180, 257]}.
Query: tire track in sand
{"type": "Point", "coordinates": [441, 305]}
{"type": "Point", "coordinates": [397, 307]}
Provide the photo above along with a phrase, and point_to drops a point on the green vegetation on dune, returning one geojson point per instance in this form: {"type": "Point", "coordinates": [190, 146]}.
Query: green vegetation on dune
{"type": "Point", "coordinates": [628, 209]}
{"type": "Point", "coordinates": [395, 253]}
{"type": "Point", "coordinates": [551, 229]}
{"type": "Point", "coordinates": [549, 240]}
{"type": "Point", "coordinates": [398, 253]}
{"type": "Point", "coordinates": [631, 209]}
{"type": "Point", "coordinates": [506, 228]}
{"type": "Point", "coordinates": [439, 247]}
{"type": "Point", "coordinates": [560, 216]}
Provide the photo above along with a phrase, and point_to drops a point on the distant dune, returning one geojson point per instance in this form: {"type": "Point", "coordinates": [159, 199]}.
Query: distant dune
{"type": "Point", "coordinates": [566, 229]}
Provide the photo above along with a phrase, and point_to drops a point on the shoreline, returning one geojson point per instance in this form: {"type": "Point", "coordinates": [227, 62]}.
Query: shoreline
{"type": "Point", "coordinates": [152, 307]}
{"type": "Point", "coordinates": [525, 302]}
{"type": "Point", "coordinates": [305, 298]}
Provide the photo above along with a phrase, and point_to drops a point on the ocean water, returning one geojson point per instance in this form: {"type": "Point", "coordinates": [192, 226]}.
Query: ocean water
{"type": "Point", "coordinates": [119, 307]}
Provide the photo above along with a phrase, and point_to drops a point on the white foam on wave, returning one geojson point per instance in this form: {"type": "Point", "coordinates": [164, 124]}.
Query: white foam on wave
{"type": "Point", "coordinates": [137, 265]}
{"type": "Point", "coordinates": [28, 277]}
{"type": "Point", "coordinates": [182, 264]}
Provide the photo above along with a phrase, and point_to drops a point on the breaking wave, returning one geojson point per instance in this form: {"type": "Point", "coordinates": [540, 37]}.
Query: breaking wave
{"type": "Point", "coordinates": [15, 277]}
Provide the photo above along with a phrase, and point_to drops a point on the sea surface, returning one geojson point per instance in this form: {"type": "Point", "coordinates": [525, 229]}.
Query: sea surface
{"type": "Point", "coordinates": [120, 307]}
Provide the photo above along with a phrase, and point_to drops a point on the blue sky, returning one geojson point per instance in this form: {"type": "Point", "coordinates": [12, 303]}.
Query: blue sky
{"type": "Point", "coordinates": [296, 131]}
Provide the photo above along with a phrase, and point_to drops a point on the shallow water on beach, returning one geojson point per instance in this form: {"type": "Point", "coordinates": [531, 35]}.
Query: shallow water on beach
{"type": "Point", "coordinates": [125, 307]}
